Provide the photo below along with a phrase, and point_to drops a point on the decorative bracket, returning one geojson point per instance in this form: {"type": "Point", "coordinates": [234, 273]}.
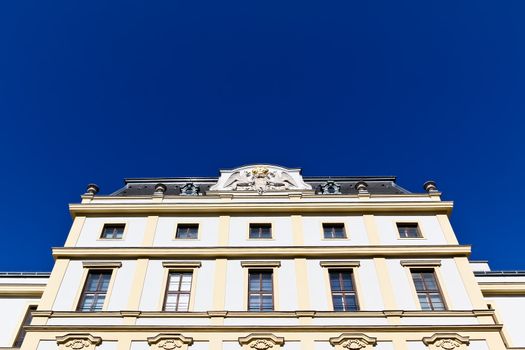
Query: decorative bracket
{"type": "Point", "coordinates": [446, 341]}
{"type": "Point", "coordinates": [78, 341]}
{"type": "Point", "coordinates": [169, 341]}
{"type": "Point", "coordinates": [353, 341]}
{"type": "Point", "coordinates": [261, 341]}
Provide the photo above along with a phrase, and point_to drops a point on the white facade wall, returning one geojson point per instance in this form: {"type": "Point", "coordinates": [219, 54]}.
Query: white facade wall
{"type": "Point", "coordinates": [16, 309]}
{"type": "Point", "coordinates": [510, 311]}
{"type": "Point", "coordinates": [281, 231]}
{"type": "Point", "coordinates": [92, 229]}
{"type": "Point", "coordinates": [428, 225]}
{"type": "Point", "coordinates": [208, 234]}
{"type": "Point", "coordinates": [354, 226]}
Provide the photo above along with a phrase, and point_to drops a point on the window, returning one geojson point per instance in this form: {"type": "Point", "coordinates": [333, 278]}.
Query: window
{"type": "Point", "coordinates": [408, 230]}
{"type": "Point", "coordinates": [178, 291]}
{"type": "Point", "coordinates": [427, 289]}
{"type": "Point", "coordinates": [334, 231]}
{"type": "Point", "coordinates": [113, 231]}
{"type": "Point", "coordinates": [260, 231]}
{"type": "Point", "coordinates": [95, 290]}
{"type": "Point", "coordinates": [343, 290]}
{"type": "Point", "coordinates": [187, 231]}
{"type": "Point", "coordinates": [260, 290]}
{"type": "Point", "coordinates": [26, 322]}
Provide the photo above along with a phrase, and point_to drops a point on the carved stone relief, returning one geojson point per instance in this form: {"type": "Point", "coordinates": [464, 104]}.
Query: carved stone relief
{"type": "Point", "coordinates": [190, 189]}
{"type": "Point", "coordinates": [353, 341]}
{"type": "Point", "coordinates": [78, 341]}
{"type": "Point", "coordinates": [330, 187]}
{"type": "Point", "coordinates": [261, 341]}
{"type": "Point", "coordinates": [169, 341]}
{"type": "Point", "coordinates": [446, 341]}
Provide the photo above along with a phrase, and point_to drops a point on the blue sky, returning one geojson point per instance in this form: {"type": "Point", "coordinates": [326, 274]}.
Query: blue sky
{"type": "Point", "coordinates": [98, 91]}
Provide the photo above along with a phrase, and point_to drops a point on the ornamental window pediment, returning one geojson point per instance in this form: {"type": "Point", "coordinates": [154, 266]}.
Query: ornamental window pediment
{"type": "Point", "coordinates": [353, 341]}
{"type": "Point", "coordinates": [169, 341]}
{"type": "Point", "coordinates": [78, 341]}
{"type": "Point", "coordinates": [261, 341]}
{"type": "Point", "coordinates": [446, 341]}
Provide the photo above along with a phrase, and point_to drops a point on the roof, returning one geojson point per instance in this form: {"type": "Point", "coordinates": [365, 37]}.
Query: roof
{"type": "Point", "coordinates": [146, 186]}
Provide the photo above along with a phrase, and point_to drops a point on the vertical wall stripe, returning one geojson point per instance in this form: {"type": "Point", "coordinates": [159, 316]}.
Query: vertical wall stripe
{"type": "Point", "coordinates": [151, 227]}
{"type": "Point", "coordinates": [74, 233]}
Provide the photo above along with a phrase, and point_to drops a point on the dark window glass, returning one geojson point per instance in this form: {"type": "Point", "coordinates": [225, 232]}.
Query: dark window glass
{"type": "Point", "coordinates": [113, 231]}
{"type": "Point", "coordinates": [178, 291]}
{"type": "Point", "coordinates": [260, 231]}
{"type": "Point", "coordinates": [260, 290]}
{"type": "Point", "coordinates": [427, 289]}
{"type": "Point", "coordinates": [187, 231]}
{"type": "Point", "coordinates": [408, 230]}
{"type": "Point", "coordinates": [334, 231]}
{"type": "Point", "coordinates": [94, 293]}
{"type": "Point", "coordinates": [343, 290]}
{"type": "Point", "coordinates": [26, 322]}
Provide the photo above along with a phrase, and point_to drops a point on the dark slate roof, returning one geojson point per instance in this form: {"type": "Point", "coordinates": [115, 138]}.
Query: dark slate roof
{"type": "Point", "coordinates": [499, 273]}
{"type": "Point", "coordinates": [146, 186]}
{"type": "Point", "coordinates": [25, 274]}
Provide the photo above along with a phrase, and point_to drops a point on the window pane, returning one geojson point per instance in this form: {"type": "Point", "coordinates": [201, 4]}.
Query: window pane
{"type": "Point", "coordinates": [338, 302]}
{"type": "Point", "coordinates": [334, 231]}
{"type": "Point", "coordinates": [410, 230]}
{"type": "Point", "coordinates": [260, 231]}
{"type": "Point", "coordinates": [87, 303]}
{"type": "Point", "coordinates": [99, 302]}
{"type": "Point", "coordinates": [113, 231]}
{"type": "Point", "coordinates": [267, 303]}
{"type": "Point", "coordinates": [335, 283]}
{"type": "Point", "coordinates": [350, 303]}
{"type": "Point", "coordinates": [255, 283]}
{"type": "Point", "coordinates": [184, 301]}
{"type": "Point", "coordinates": [254, 303]}
{"type": "Point", "coordinates": [424, 302]}
{"type": "Point", "coordinates": [174, 282]}
{"type": "Point", "coordinates": [437, 303]}
{"type": "Point", "coordinates": [186, 283]}
{"type": "Point", "coordinates": [187, 231]}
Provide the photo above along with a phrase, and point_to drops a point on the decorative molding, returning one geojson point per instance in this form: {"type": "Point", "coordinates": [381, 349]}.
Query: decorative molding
{"type": "Point", "coordinates": [78, 341]}
{"type": "Point", "coordinates": [169, 341]}
{"type": "Point", "coordinates": [190, 189]}
{"type": "Point", "coordinates": [330, 187]}
{"type": "Point", "coordinates": [340, 264]}
{"type": "Point", "coordinates": [353, 341]}
{"type": "Point", "coordinates": [101, 264]}
{"type": "Point", "coordinates": [421, 263]}
{"type": "Point", "coordinates": [446, 341]}
{"type": "Point", "coordinates": [261, 341]}
{"type": "Point", "coordinates": [260, 179]}
{"type": "Point", "coordinates": [260, 264]}
{"type": "Point", "coordinates": [320, 252]}
{"type": "Point", "coordinates": [182, 264]}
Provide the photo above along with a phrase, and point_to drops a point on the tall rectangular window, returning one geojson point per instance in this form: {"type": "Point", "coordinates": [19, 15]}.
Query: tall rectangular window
{"type": "Point", "coordinates": [113, 231]}
{"type": "Point", "coordinates": [427, 289]}
{"type": "Point", "coordinates": [334, 231]}
{"type": "Point", "coordinates": [187, 231]}
{"type": "Point", "coordinates": [26, 322]}
{"type": "Point", "coordinates": [260, 231]}
{"type": "Point", "coordinates": [343, 290]}
{"type": "Point", "coordinates": [178, 291]}
{"type": "Point", "coordinates": [408, 230]}
{"type": "Point", "coordinates": [95, 290]}
{"type": "Point", "coordinates": [260, 290]}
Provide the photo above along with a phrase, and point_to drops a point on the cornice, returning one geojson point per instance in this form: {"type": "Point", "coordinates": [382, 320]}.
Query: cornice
{"type": "Point", "coordinates": [231, 206]}
{"type": "Point", "coordinates": [272, 314]}
{"type": "Point", "coordinates": [267, 328]}
{"type": "Point", "coordinates": [390, 251]}
{"type": "Point", "coordinates": [19, 290]}
{"type": "Point", "coordinates": [502, 288]}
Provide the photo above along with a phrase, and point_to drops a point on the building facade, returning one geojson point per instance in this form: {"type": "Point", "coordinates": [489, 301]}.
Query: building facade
{"type": "Point", "coordinates": [262, 258]}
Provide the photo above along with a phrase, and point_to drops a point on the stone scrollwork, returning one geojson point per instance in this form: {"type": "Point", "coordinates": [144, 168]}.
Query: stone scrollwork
{"type": "Point", "coordinates": [78, 341]}
{"type": "Point", "coordinates": [353, 341]}
{"type": "Point", "coordinates": [169, 341]}
{"type": "Point", "coordinates": [330, 187]}
{"type": "Point", "coordinates": [446, 341]}
{"type": "Point", "coordinates": [261, 341]}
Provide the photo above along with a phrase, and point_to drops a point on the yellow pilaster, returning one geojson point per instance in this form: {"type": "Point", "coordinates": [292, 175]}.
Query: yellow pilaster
{"type": "Point", "coordinates": [371, 229]}
{"type": "Point", "coordinates": [297, 230]}
{"type": "Point", "coordinates": [151, 227]}
{"type": "Point", "coordinates": [74, 233]}
{"type": "Point", "coordinates": [301, 275]}
{"type": "Point", "coordinates": [473, 290]}
{"type": "Point", "coordinates": [138, 284]}
{"type": "Point", "coordinates": [444, 222]}
{"type": "Point", "coordinates": [224, 230]}
{"type": "Point", "coordinates": [219, 284]}
{"type": "Point", "coordinates": [385, 284]}
{"type": "Point", "coordinates": [53, 285]}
